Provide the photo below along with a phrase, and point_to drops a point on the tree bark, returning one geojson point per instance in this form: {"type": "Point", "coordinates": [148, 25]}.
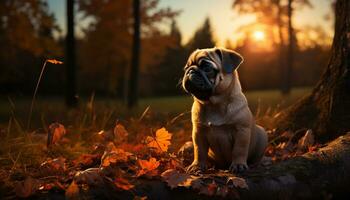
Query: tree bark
{"type": "Point", "coordinates": [71, 86]}
{"type": "Point", "coordinates": [135, 59]}
{"type": "Point", "coordinates": [327, 109]}
{"type": "Point", "coordinates": [287, 72]}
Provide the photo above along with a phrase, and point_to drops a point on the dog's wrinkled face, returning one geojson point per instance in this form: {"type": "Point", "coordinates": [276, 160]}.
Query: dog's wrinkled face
{"type": "Point", "coordinates": [208, 72]}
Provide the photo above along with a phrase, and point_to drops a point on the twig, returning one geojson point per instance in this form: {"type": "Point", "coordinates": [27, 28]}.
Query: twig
{"type": "Point", "coordinates": [37, 87]}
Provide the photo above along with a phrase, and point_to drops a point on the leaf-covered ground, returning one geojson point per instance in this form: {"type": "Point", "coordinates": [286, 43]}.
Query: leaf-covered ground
{"type": "Point", "coordinates": [71, 159]}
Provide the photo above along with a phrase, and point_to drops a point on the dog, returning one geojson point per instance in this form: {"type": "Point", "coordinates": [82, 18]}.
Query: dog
{"type": "Point", "coordinates": [223, 128]}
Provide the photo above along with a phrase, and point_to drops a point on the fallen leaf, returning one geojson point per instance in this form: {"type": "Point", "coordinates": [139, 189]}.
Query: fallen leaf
{"type": "Point", "coordinates": [72, 192]}
{"type": "Point", "coordinates": [161, 141]}
{"type": "Point", "coordinates": [55, 134]}
{"type": "Point", "coordinates": [26, 188]}
{"type": "Point", "coordinates": [120, 133]}
{"type": "Point", "coordinates": [91, 176]}
{"type": "Point", "coordinates": [174, 178]}
{"type": "Point", "coordinates": [237, 182]}
{"type": "Point", "coordinates": [114, 155]}
{"type": "Point", "coordinates": [123, 184]}
{"type": "Point", "coordinates": [148, 167]}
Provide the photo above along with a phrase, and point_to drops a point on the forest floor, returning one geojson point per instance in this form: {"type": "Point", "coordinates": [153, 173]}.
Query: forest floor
{"type": "Point", "coordinates": [102, 142]}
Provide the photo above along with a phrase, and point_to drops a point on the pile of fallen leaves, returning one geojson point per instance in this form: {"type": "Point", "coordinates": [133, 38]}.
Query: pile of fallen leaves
{"type": "Point", "coordinates": [120, 161]}
{"type": "Point", "coordinates": [290, 144]}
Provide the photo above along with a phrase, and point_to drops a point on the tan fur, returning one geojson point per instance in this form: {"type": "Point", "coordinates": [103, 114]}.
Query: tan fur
{"type": "Point", "coordinates": [224, 127]}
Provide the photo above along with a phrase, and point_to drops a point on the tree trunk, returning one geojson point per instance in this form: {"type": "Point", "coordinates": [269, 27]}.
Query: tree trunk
{"type": "Point", "coordinates": [71, 96]}
{"type": "Point", "coordinates": [327, 109]}
{"type": "Point", "coordinates": [287, 72]}
{"type": "Point", "coordinates": [135, 59]}
{"type": "Point", "coordinates": [281, 56]}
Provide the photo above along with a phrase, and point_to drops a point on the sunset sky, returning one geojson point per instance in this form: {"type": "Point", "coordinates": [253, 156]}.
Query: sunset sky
{"type": "Point", "coordinates": [224, 19]}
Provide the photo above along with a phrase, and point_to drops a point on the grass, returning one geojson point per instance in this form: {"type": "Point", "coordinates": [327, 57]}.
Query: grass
{"type": "Point", "coordinates": [52, 108]}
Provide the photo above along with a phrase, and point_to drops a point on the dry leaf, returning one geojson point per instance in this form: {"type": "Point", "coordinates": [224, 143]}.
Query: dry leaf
{"type": "Point", "coordinates": [91, 176]}
{"type": "Point", "coordinates": [72, 192]}
{"type": "Point", "coordinates": [26, 188]}
{"type": "Point", "coordinates": [54, 61]}
{"type": "Point", "coordinates": [161, 141]}
{"type": "Point", "coordinates": [114, 155]}
{"type": "Point", "coordinates": [174, 178]}
{"type": "Point", "coordinates": [148, 167]}
{"type": "Point", "coordinates": [237, 182]}
{"type": "Point", "coordinates": [123, 184]}
{"type": "Point", "coordinates": [120, 133]}
{"type": "Point", "coordinates": [56, 132]}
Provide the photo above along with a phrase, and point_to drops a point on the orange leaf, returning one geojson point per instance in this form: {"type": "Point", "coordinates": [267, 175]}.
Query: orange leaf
{"type": "Point", "coordinates": [123, 184]}
{"type": "Point", "coordinates": [114, 155]}
{"type": "Point", "coordinates": [56, 132]}
{"type": "Point", "coordinates": [161, 141]}
{"type": "Point", "coordinates": [237, 182]}
{"type": "Point", "coordinates": [120, 133]}
{"type": "Point", "coordinates": [26, 188]}
{"type": "Point", "coordinates": [175, 178]}
{"type": "Point", "coordinates": [54, 61]}
{"type": "Point", "coordinates": [148, 167]}
{"type": "Point", "coordinates": [72, 192]}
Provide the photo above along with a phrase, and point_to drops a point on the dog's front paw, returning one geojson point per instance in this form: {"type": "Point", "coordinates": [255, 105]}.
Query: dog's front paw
{"type": "Point", "coordinates": [196, 168]}
{"type": "Point", "coordinates": [238, 167]}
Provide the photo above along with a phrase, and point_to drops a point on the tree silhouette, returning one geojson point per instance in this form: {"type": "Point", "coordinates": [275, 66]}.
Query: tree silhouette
{"type": "Point", "coordinates": [203, 37]}
{"type": "Point", "coordinates": [135, 57]}
{"type": "Point", "coordinates": [71, 68]}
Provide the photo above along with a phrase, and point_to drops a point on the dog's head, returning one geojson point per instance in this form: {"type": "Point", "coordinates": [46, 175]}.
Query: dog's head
{"type": "Point", "coordinates": [209, 72]}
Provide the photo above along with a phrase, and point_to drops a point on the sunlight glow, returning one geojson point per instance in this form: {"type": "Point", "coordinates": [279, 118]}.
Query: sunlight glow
{"type": "Point", "coordinates": [259, 35]}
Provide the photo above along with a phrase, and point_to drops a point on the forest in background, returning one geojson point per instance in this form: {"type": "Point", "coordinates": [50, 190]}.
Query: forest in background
{"type": "Point", "coordinates": [104, 56]}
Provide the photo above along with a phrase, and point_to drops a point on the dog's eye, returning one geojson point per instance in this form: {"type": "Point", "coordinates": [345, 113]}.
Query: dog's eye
{"type": "Point", "coordinates": [206, 67]}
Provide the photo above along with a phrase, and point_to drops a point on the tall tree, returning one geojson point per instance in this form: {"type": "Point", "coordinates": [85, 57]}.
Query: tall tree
{"type": "Point", "coordinates": [71, 68]}
{"type": "Point", "coordinates": [108, 39]}
{"type": "Point", "coordinates": [170, 69]}
{"type": "Point", "coordinates": [26, 38]}
{"type": "Point", "coordinates": [288, 67]}
{"type": "Point", "coordinates": [203, 37]}
{"type": "Point", "coordinates": [135, 58]}
{"type": "Point", "coordinates": [327, 109]}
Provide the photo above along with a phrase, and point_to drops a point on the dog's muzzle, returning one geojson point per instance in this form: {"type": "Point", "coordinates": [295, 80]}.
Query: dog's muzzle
{"type": "Point", "coordinates": [197, 83]}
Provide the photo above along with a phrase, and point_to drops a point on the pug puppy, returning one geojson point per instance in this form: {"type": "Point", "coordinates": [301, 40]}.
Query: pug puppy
{"type": "Point", "coordinates": [223, 127]}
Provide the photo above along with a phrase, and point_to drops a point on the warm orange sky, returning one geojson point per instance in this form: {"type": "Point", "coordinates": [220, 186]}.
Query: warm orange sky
{"type": "Point", "coordinates": [225, 20]}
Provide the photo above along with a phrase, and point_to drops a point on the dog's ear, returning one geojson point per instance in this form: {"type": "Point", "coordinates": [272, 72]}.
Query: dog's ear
{"type": "Point", "coordinates": [230, 60]}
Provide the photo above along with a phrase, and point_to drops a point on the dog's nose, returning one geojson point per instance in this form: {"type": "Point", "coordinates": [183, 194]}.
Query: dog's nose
{"type": "Point", "coordinates": [194, 77]}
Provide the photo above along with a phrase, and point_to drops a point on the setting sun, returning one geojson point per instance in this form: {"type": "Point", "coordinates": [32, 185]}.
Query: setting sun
{"type": "Point", "coordinates": [259, 35]}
